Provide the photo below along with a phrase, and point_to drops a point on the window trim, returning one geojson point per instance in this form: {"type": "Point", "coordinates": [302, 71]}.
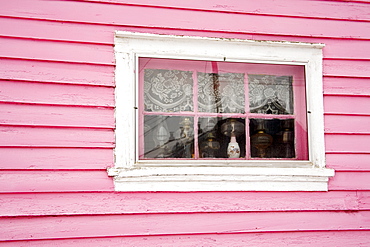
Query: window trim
{"type": "Point", "coordinates": [221, 175]}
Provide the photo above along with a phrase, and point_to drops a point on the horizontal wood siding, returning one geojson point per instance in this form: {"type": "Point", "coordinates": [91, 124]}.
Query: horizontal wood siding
{"type": "Point", "coordinates": [56, 72]}
{"type": "Point", "coordinates": [264, 239]}
{"type": "Point", "coordinates": [162, 224]}
{"type": "Point", "coordinates": [99, 203]}
{"type": "Point", "coordinates": [56, 94]}
{"type": "Point", "coordinates": [57, 127]}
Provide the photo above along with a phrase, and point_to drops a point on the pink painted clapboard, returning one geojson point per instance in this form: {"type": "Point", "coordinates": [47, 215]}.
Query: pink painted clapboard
{"type": "Point", "coordinates": [57, 124]}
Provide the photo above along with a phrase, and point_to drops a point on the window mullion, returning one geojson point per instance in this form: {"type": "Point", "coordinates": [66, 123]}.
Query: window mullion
{"type": "Point", "coordinates": [195, 110]}
{"type": "Point", "coordinates": [247, 113]}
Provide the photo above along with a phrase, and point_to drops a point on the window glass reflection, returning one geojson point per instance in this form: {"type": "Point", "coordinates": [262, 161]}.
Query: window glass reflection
{"type": "Point", "coordinates": [168, 137]}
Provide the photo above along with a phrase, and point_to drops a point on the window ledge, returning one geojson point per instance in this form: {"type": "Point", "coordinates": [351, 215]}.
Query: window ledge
{"type": "Point", "coordinates": [230, 178]}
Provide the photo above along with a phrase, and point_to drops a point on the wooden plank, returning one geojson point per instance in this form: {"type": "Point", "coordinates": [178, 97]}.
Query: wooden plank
{"type": "Point", "coordinates": [348, 161]}
{"type": "Point", "coordinates": [313, 9]}
{"type": "Point", "coordinates": [265, 239]}
{"type": "Point", "coordinates": [69, 158]}
{"type": "Point", "coordinates": [364, 199]}
{"type": "Point", "coordinates": [23, 228]}
{"type": "Point", "coordinates": [56, 158]}
{"type": "Point", "coordinates": [61, 116]}
{"type": "Point", "coordinates": [346, 104]}
{"type": "Point", "coordinates": [185, 19]}
{"type": "Point", "coordinates": [58, 31]}
{"type": "Point", "coordinates": [88, 53]}
{"type": "Point", "coordinates": [77, 32]}
{"type": "Point", "coordinates": [350, 181]}
{"type": "Point", "coordinates": [56, 51]}
{"type": "Point", "coordinates": [300, 239]}
{"type": "Point", "coordinates": [57, 181]}
{"type": "Point", "coordinates": [56, 94]}
{"type": "Point", "coordinates": [43, 204]}
{"type": "Point", "coordinates": [354, 1]}
{"type": "Point", "coordinates": [347, 143]}
{"type": "Point", "coordinates": [103, 34]}
{"type": "Point", "coordinates": [52, 181]}
{"type": "Point", "coordinates": [344, 48]}
{"type": "Point", "coordinates": [346, 86]}
{"type": "Point", "coordinates": [347, 124]}
{"type": "Point", "coordinates": [347, 68]}
{"type": "Point", "coordinates": [12, 136]}
{"type": "Point", "coordinates": [41, 71]}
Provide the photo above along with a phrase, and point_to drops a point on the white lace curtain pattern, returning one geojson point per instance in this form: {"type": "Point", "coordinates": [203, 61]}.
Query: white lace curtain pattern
{"type": "Point", "coordinates": [270, 94]}
{"type": "Point", "coordinates": [168, 90]}
{"type": "Point", "coordinates": [221, 93]}
{"type": "Point", "coordinates": [172, 91]}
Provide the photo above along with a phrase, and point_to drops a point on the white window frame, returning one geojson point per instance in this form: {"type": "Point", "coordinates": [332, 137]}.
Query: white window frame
{"type": "Point", "coordinates": [132, 174]}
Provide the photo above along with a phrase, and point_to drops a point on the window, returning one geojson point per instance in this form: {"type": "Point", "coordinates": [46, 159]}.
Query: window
{"type": "Point", "coordinates": [192, 109]}
{"type": "Point", "coordinates": [203, 114]}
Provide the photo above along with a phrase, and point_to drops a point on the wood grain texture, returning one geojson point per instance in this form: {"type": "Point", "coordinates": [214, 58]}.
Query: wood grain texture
{"type": "Point", "coordinates": [76, 180]}
{"type": "Point", "coordinates": [364, 201]}
{"type": "Point", "coordinates": [164, 18]}
{"type": "Point", "coordinates": [56, 94]}
{"type": "Point", "coordinates": [348, 161]}
{"type": "Point", "coordinates": [55, 158]}
{"type": "Point", "coordinates": [58, 72]}
{"type": "Point", "coordinates": [347, 143]}
{"type": "Point", "coordinates": [299, 239]}
{"type": "Point", "coordinates": [347, 68]}
{"type": "Point", "coordinates": [57, 31]}
{"type": "Point", "coordinates": [60, 116]}
{"type": "Point", "coordinates": [51, 181]}
{"type": "Point", "coordinates": [44, 204]}
{"type": "Point", "coordinates": [12, 136]}
{"type": "Point", "coordinates": [346, 104]}
{"type": "Point", "coordinates": [307, 9]}
{"type": "Point", "coordinates": [57, 121]}
{"type": "Point", "coordinates": [39, 30]}
{"type": "Point", "coordinates": [347, 124]}
{"type": "Point", "coordinates": [343, 48]}
{"type": "Point", "coordinates": [347, 86]}
{"type": "Point", "coordinates": [350, 181]}
{"type": "Point", "coordinates": [56, 51]}
{"type": "Point", "coordinates": [198, 223]}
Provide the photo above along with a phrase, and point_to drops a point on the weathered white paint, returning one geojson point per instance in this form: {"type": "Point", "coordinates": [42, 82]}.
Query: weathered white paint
{"type": "Point", "coordinates": [132, 174]}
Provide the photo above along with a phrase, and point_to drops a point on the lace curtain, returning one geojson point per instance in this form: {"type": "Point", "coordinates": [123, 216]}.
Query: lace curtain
{"type": "Point", "coordinates": [168, 90]}
{"type": "Point", "coordinates": [270, 94]}
{"type": "Point", "coordinates": [172, 91]}
{"type": "Point", "coordinates": [221, 93]}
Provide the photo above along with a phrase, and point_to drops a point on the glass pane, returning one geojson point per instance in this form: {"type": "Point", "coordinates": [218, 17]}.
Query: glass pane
{"type": "Point", "coordinates": [168, 90]}
{"type": "Point", "coordinates": [221, 137]}
{"type": "Point", "coordinates": [168, 137]}
{"type": "Point", "coordinates": [272, 138]}
{"type": "Point", "coordinates": [270, 94]}
{"type": "Point", "coordinates": [221, 93]}
{"type": "Point", "coordinates": [209, 95]}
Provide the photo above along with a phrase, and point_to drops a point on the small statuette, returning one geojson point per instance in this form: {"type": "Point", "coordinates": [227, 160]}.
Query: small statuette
{"type": "Point", "coordinates": [233, 128]}
{"type": "Point", "coordinates": [233, 149]}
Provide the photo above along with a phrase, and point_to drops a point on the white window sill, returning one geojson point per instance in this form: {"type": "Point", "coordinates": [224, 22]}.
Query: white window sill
{"type": "Point", "coordinates": [221, 178]}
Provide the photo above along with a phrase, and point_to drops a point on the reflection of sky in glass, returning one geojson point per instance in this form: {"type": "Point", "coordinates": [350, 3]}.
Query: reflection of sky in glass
{"type": "Point", "coordinates": [165, 135]}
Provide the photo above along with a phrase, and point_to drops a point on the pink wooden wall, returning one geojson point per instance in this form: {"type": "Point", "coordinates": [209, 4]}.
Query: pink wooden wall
{"type": "Point", "coordinates": [57, 127]}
